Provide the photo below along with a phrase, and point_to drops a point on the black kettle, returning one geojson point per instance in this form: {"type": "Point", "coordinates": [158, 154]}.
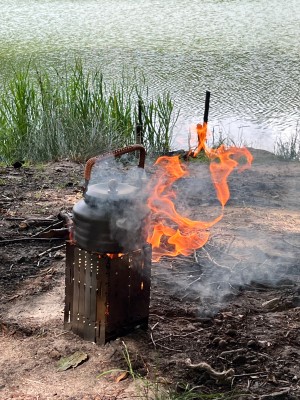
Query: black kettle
{"type": "Point", "coordinates": [111, 217]}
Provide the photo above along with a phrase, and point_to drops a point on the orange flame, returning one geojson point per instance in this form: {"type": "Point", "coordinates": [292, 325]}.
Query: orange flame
{"type": "Point", "coordinates": [112, 256]}
{"type": "Point", "coordinates": [171, 233]}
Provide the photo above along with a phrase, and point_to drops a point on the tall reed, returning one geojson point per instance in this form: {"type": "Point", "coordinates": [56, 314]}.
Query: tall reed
{"type": "Point", "coordinates": [289, 149]}
{"type": "Point", "coordinates": [47, 115]}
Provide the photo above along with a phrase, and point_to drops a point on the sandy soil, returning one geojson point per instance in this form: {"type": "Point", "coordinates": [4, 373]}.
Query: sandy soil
{"type": "Point", "coordinates": [235, 304]}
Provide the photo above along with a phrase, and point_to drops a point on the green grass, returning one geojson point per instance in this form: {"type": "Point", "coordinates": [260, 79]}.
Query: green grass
{"type": "Point", "coordinates": [150, 390]}
{"type": "Point", "coordinates": [49, 114]}
{"type": "Point", "coordinates": [289, 149]}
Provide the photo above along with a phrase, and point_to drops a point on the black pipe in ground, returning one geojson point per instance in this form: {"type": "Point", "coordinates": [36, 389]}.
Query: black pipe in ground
{"type": "Point", "coordinates": [206, 109]}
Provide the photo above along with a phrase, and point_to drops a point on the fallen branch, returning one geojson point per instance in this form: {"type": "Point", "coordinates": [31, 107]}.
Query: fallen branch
{"type": "Point", "coordinates": [151, 334]}
{"type": "Point", "coordinates": [229, 352]}
{"type": "Point", "coordinates": [32, 221]}
{"type": "Point", "coordinates": [194, 281]}
{"type": "Point", "coordinates": [219, 376]}
{"type": "Point", "coordinates": [51, 249]}
{"type": "Point", "coordinates": [214, 261]}
{"type": "Point", "coordinates": [62, 232]}
{"type": "Point", "coordinates": [168, 348]}
{"type": "Point", "coordinates": [276, 395]}
{"type": "Point", "coordinates": [251, 374]}
{"type": "Point", "coordinates": [291, 244]}
{"type": "Point", "coordinates": [172, 335]}
{"type": "Point", "coordinates": [54, 225]}
{"type": "Point", "coordinates": [10, 241]}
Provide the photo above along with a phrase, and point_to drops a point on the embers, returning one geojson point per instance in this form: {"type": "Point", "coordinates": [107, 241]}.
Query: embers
{"type": "Point", "coordinates": [106, 295]}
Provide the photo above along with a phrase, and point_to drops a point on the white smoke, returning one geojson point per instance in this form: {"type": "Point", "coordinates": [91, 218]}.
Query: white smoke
{"type": "Point", "coordinates": [257, 243]}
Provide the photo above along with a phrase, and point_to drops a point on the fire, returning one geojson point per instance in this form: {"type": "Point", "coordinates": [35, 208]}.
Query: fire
{"type": "Point", "coordinates": [171, 233]}
{"type": "Point", "coordinates": [112, 256]}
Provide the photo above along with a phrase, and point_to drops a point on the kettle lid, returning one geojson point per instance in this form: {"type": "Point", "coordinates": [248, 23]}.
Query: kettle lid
{"type": "Point", "coordinates": [110, 190]}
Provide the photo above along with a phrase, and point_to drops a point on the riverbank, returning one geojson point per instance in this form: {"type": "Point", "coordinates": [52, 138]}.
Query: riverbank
{"type": "Point", "coordinates": [235, 304]}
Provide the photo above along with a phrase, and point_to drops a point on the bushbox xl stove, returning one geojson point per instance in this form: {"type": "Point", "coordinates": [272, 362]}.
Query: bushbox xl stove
{"type": "Point", "coordinates": [108, 261]}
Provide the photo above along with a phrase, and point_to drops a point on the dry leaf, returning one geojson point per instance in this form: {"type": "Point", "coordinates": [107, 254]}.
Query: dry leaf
{"type": "Point", "coordinates": [124, 375]}
{"type": "Point", "coordinates": [71, 361]}
{"type": "Point", "coordinates": [270, 304]}
{"type": "Point", "coordinates": [23, 226]}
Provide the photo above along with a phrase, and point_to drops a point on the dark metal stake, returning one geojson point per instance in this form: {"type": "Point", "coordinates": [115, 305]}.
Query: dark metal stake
{"type": "Point", "coordinates": [206, 109]}
{"type": "Point", "coordinates": [139, 126]}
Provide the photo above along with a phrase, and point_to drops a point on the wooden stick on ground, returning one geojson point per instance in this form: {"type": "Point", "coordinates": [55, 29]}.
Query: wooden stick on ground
{"type": "Point", "coordinates": [10, 241]}
{"type": "Point", "coordinates": [52, 249]}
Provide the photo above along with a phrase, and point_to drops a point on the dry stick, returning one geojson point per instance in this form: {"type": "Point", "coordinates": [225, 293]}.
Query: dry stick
{"type": "Point", "coordinates": [31, 220]}
{"type": "Point", "coordinates": [190, 284]}
{"type": "Point", "coordinates": [229, 244]}
{"type": "Point", "coordinates": [15, 218]}
{"type": "Point", "coordinates": [189, 140]}
{"type": "Point", "coordinates": [154, 326]}
{"type": "Point", "coordinates": [238, 259]}
{"type": "Point", "coordinates": [228, 352]}
{"type": "Point", "coordinates": [52, 226]}
{"type": "Point", "coordinates": [10, 241]}
{"type": "Point", "coordinates": [214, 261]}
{"type": "Point", "coordinates": [151, 334]}
{"type": "Point", "coordinates": [251, 374]}
{"type": "Point", "coordinates": [51, 249]}
{"type": "Point", "coordinates": [291, 244]}
{"type": "Point", "coordinates": [62, 232]}
{"type": "Point", "coordinates": [194, 281]}
{"type": "Point", "coordinates": [168, 348]}
{"type": "Point", "coordinates": [159, 339]}
{"type": "Point", "coordinates": [180, 336]}
{"type": "Point", "coordinates": [158, 316]}
{"type": "Point", "coordinates": [195, 256]}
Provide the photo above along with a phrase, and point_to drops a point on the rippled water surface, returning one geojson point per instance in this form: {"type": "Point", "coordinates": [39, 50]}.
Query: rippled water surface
{"type": "Point", "coordinates": [246, 52]}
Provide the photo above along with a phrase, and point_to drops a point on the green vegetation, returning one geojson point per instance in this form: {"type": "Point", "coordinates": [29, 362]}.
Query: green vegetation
{"type": "Point", "coordinates": [289, 149]}
{"type": "Point", "coordinates": [149, 390]}
{"type": "Point", "coordinates": [46, 115]}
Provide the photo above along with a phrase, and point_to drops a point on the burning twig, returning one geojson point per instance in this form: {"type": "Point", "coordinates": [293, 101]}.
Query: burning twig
{"type": "Point", "coordinates": [223, 376]}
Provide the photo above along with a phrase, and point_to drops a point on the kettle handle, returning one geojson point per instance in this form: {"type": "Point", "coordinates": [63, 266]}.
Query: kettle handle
{"type": "Point", "coordinates": [116, 153]}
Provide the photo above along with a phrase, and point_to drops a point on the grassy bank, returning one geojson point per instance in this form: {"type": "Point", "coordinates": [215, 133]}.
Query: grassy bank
{"type": "Point", "coordinates": [46, 115]}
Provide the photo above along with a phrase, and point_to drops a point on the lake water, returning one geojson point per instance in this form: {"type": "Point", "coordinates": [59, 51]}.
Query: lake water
{"type": "Point", "coordinates": [245, 52]}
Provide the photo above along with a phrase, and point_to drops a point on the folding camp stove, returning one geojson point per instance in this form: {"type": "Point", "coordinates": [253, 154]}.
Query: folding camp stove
{"type": "Point", "coordinates": [108, 262]}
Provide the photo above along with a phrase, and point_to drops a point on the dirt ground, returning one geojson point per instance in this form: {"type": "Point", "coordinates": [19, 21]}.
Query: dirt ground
{"type": "Point", "coordinates": [234, 305]}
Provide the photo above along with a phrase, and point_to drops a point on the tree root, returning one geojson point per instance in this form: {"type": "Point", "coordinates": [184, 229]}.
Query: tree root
{"type": "Point", "coordinates": [225, 375]}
